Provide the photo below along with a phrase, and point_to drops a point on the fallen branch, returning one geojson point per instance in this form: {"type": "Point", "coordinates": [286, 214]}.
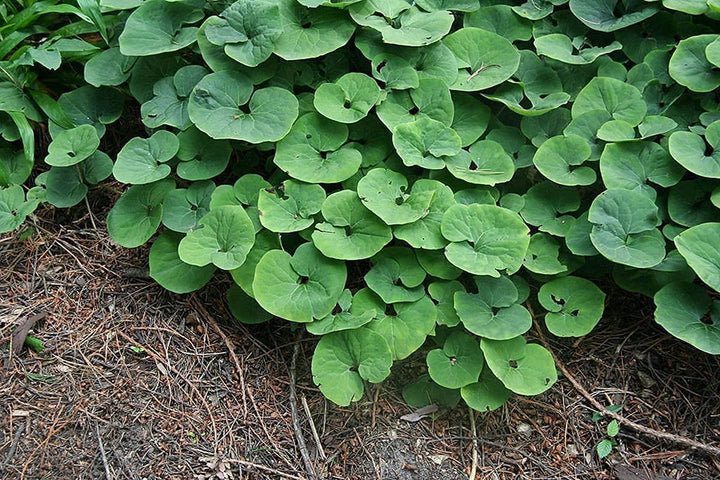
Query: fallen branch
{"type": "Point", "coordinates": [473, 431]}
{"type": "Point", "coordinates": [677, 439]}
{"type": "Point", "coordinates": [293, 408]}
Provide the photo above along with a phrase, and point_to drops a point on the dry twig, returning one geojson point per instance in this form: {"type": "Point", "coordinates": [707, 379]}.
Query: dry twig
{"type": "Point", "coordinates": [293, 408]}
{"type": "Point", "coordinates": [473, 430]}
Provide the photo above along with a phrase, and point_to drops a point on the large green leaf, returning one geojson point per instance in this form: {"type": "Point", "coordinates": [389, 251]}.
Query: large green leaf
{"type": "Point", "coordinates": [223, 105]}
{"type": "Point", "coordinates": [575, 305]}
{"type": "Point", "coordinates": [611, 15]}
{"type": "Point", "coordinates": [700, 247]}
{"type": "Point", "coordinates": [137, 214]}
{"type": "Point", "coordinates": [485, 239]}
{"type": "Point", "coordinates": [691, 68]}
{"type": "Point", "coordinates": [143, 160]}
{"type": "Point", "coordinates": [385, 193]}
{"type": "Point", "coordinates": [527, 369]}
{"type": "Point", "coordinates": [168, 270]}
{"type": "Point", "coordinates": [299, 287]}
{"type": "Point", "coordinates": [458, 363]}
{"type": "Point", "coordinates": [688, 313]}
{"type": "Point", "coordinates": [342, 360]}
{"type": "Point", "coordinates": [158, 26]}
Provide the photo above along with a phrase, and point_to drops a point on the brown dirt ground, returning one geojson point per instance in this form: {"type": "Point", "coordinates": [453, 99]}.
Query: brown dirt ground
{"type": "Point", "coordinates": [137, 383]}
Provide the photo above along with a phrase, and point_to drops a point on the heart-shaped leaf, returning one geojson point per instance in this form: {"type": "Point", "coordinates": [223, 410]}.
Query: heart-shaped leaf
{"type": "Point", "coordinates": [688, 313]}
{"type": "Point", "coordinates": [575, 305]}
{"type": "Point", "coordinates": [72, 146]}
{"type": "Point", "coordinates": [342, 360]}
{"type": "Point", "coordinates": [384, 193]}
{"type": "Point", "coordinates": [299, 287]}
{"type": "Point", "coordinates": [142, 160]}
{"type": "Point", "coordinates": [700, 248]}
{"type": "Point", "coordinates": [485, 239]}
{"type": "Point", "coordinates": [527, 369]}
{"type": "Point", "coordinates": [290, 207]}
{"type": "Point", "coordinates": [168, 270]}
{"type": "Point", "coordinates": [458, 363]}
{"type": "Point", "coordinates": [348, 99]}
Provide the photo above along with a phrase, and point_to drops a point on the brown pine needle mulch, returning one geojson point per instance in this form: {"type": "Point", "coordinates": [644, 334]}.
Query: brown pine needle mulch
{"type": "Point", "coordinates": [136, 383]}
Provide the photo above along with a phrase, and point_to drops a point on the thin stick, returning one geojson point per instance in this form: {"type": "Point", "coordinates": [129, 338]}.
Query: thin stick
{"type": "Point", "coordinates": [293, 409]}
{"type": "Point", "coordinates": [92, 217]}
{"type": "Point", "coordinates": [688, 442]}
{"type": "Point", "coordinates": [473, 430]}
{"type": "Point", "coordinates": [321, 451]}
{"type": "Point", "coordinates": [102, 453]}
{"type": "Point", "coordinates": [263, 468]}
{"type": "Point", "coordinates": [231, 350]}
{"type": "Point", "coordinates": [13, 447]}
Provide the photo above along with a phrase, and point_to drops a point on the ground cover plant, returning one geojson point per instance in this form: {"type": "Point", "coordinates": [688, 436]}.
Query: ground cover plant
{"type": "Point", "coordinates": [391, 176]}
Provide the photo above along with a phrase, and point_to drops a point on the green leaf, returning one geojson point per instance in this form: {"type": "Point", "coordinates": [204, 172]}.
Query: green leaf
{"type": "Point", "coordinates": [485, 59]}
{"type": "Point", "coordinates": [405, 326]}
{"type": "Point", "coordinates": [247, 30]}
{"type": "Point", "coordinates": [108, 68]}
{"type": "Point", "coordinates": [223, 237]}
{"type": "Point", "coordinates": [425, 392]}
{"type": "Point", "coordinates": [688, 313]}
{"type": "Point", "coordinates": [290, 207]}
{"type": "Point", "coordinates": [143, 160]}
{"type": "Point", "coordinates": [244, 308]}
{"type": "Point", "coordinates": [624, 230]}
{"type": "Point", "coordinates": [244, 275]}
{"type": "Point", "coordinates": [72, 146]}
{"type": "Point", "coordinates": [487, 394]}
{"type": "Point", "coordinates": [443, 294]}
{"type": "Point", "coordinates": [560, 47]}
{"type": "Point", "coordinates": [348, 99]}
{"type": "Point", "coordinates": [350, 231]}
{"type": "Point", "coordinates": [91, 106]}
{"type": "Point", "coordinates": [471, 117]}
{"type": "Point", "coordinates": [136, 215]}
{"type": "Point", "coordinates": [543, 255]}
{"type": "Point", "coordinates": [608, 16]}
{"type": "Point", "coordinates": [620, 100]}
{"type": "Point", "coordinates": [310, 33]}
{"type": "Point", "coordinates": [13, 208]}
{"type": "Point", "coordinates": [633, 165]}
{"type": "Point", "coordinates": [426, 231]}
{"type": "Point", "coordinates": [168, 270]}
{"type": "Point", "coordinates": [604, 448]}
{"type": "Point", "coordinates": [613, 428]}
{"type": "Point", "coordinates": [224, 106]}
{"type": "Point", "coordinates": [301, 287]}
{"type": "Point", "coordinates": [700, 156]}
{"type": "Point", "coordinates": [157, 26]}
{"type": "Point", "coordinates": [342, 360]}
{"type": "Point", "coordinates": [500, 19]}
{"type": "Point", "coordinates": [184, 207]}
{"type": "Point", "coordinates": [385, 279]}
{"type": "Point", "coordinates": [700, 248]}
{"type": "Point", "coordinates": [526, 369]}
{"type": "Point", "coordinates": [425, 142]}
{"type": "Point", "coordinates": [690, 67]}
{"type": "Point", "coordinates": [545, 207]}
{"type": "Point", "coordinates": [201, 157]}
{"type": "Point", "coordinates": [431, 99]}
{"type": "Point", "coordinates": [170, 99]}
{"type": "Point", "coordinates": [401, 23]}
{"type": "Point", "coordinates": [384, 193]}
{"type": "Point", "coordinates": [485, 163]}
{"type": "Point", "coordinates": [575, 305]}
{"type": "Point", "coordinates": [458, 363]}
{"type": "Point", "coordinates": [315, 151]}
{"type": "Point", "coordinates": [485, 239]}
{"type": "Point", "coordinates": [560, 159]}
{"type": "Point", "coordinates": [64, 187]}
{"type": "Point", "coordinates": [493, 312]}
{"type": "Point", "coordinates": [341, 318]}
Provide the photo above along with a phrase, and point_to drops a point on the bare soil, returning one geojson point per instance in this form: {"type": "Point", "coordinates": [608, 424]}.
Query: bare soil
{"type": "Point", "coordinates": [137, 383]}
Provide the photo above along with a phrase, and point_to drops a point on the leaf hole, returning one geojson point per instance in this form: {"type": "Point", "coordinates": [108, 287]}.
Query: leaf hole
{"type": "Point", "coordinates": [306, 25]}
{"type": "Point", "coordinates": [526, 103]}
{"type": "Point", "coordinates": [71, 154]}
{"type": "Point", "coordinates": [397, 282]}
{"type": "Point", "coordinates": [14, 213]}
{"type": "Point", "coordinates": [453, 360]}
{"type": "Point", "coordinates": [347, 104]}
{"type": "Point", "coordinates": [557, 300]}
{"type": "Point", "coordinates": [547, 380]}
{"type": "Point", "coordinates": [706, 320]}
{"type": "Point", "coordinates": [512, 364]}
{"type": "Point", "coordinates": [575, 313]}
{"type": "Point", "coordinates": [661, 104]}
{"type": "Point", "coordinates": [303, 280]}
{"type": "Point", "coordinates": [324, 155]}
{"type": "Point", "coordinates": [399, 201]}
{"type": "Point", "coordinates": [348, 230]}
{"type": "Point", "coordinates": [337, 310]}
{"type": "Point", "coordinates": [708, 150]}
{"type": "Point", "coordinates": [390, 310]}
{"type": "Point", "coordinates": [472, 166]}
{"type": "Point", "coordinates": [193, 208]}
{"type": "Point", "coordinates": [380, 66]}
{"type": "Point", "coordinates": [308, 136]}
{"type": "Point", "coordinates": [414, 110]}
{"type": "Point", "coordinates": [354, 368]}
